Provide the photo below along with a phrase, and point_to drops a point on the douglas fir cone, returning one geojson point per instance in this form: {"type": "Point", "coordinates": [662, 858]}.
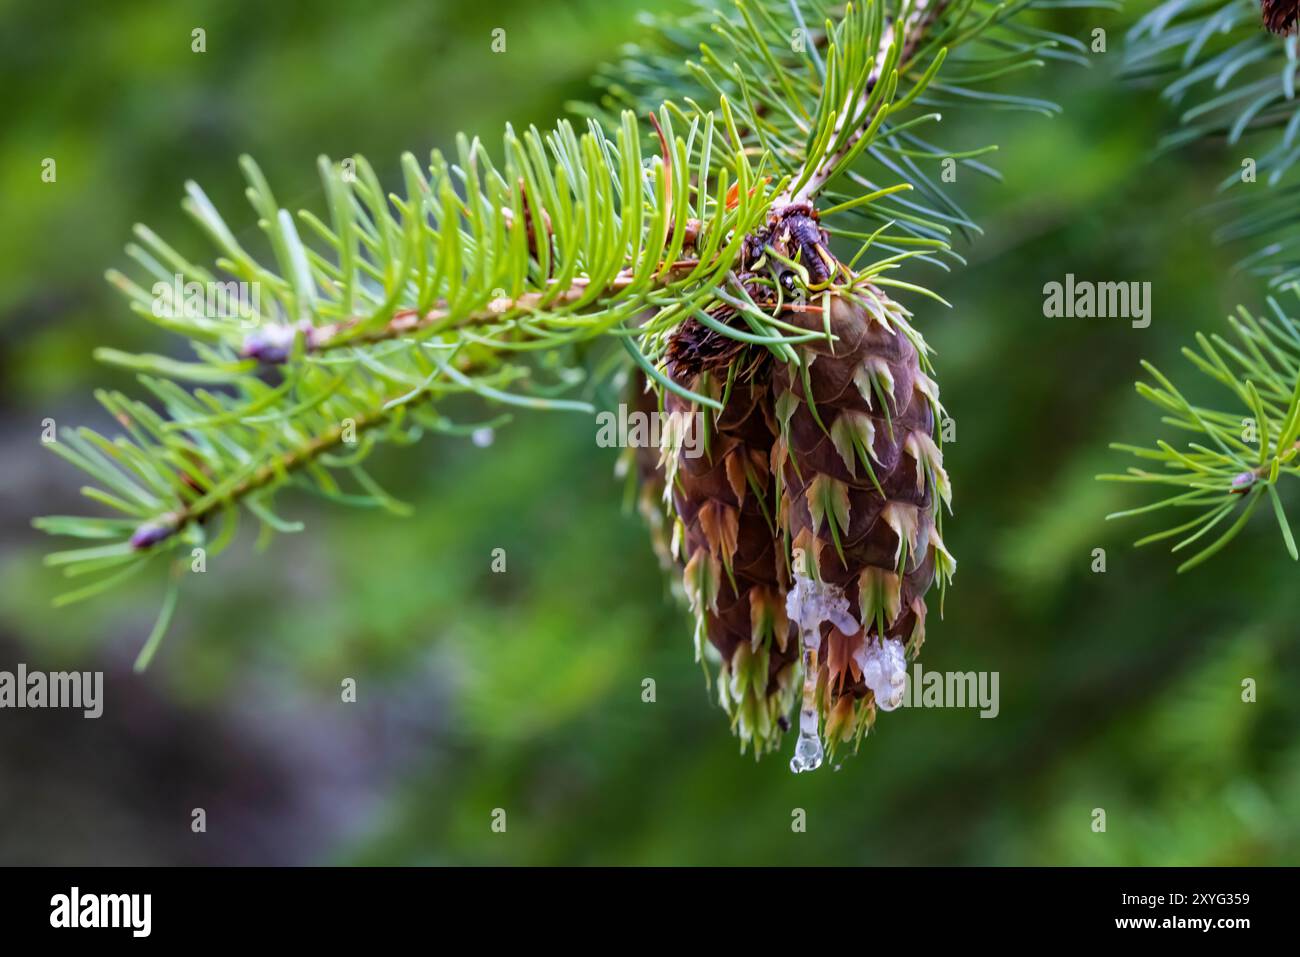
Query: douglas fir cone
{"type": "Point", "coordinates": [806, 517]}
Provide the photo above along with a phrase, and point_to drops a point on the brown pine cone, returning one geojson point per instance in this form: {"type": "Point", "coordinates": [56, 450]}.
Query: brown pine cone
{"type": "Point", "coordinates": [806, 513]}
{"type": "Point", "coordinates": [860, 480]}
{"type": "Point", "coordinates": [734, 574]}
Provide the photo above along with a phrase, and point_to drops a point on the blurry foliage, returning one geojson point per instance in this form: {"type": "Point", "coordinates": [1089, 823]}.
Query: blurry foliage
{"type": "Point", "coordinates": [1234, 86]}
{"type": "Point", "coordinates": [1231, 83]}
{"type": "Point", "coordinates": [1119, 690]}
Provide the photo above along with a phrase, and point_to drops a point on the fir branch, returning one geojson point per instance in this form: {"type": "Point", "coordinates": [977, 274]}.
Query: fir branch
{"type": "Point", "coordinates": [376, 314]}
{"type": "Point", "coordinates": [790, 98]}
{"type": "Point", "coordinates": [1232, 79]}
{"type": "Point", "coordinates": [397, 306]}
{"type": "Point", "coordinates": [1232, 82]}
{"type": "Point", "coordinates": [1236, 457]}
{"type": "Point", "coordinates": [857, 115]}
{"type": "Point", "coordinates": [278, 468]}
{"type": "Point", "coordinates": [275, 347]}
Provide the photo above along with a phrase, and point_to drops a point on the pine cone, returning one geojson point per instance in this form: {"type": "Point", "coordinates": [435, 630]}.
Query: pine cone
{"type": "Point", "coordinates": [1280, 15]}
{"type": "Point", "coordinates": [860, 479]}
{"type": "Point", "coordinates": [806, 513]}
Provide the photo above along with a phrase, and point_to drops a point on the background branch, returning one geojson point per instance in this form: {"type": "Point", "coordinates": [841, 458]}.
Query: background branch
{"type": "Point", "coordinates": [917, 17]}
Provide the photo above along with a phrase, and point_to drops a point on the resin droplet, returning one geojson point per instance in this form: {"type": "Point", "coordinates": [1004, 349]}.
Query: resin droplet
{"type": "Point", "coordinates": [808, 604]}
{"type": "Point", "coordinates": [884, 671]}
{"type": "Point", "coordinates": [808, 753]}
{"type": "Point", "coordinates": [812, 602]}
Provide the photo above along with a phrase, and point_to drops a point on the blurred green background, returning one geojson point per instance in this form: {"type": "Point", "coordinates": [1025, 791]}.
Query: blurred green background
{"type": "Point", "coordinates": [522, 691]}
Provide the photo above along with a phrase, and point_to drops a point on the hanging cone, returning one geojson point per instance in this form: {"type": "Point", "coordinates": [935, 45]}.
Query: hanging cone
{"type": "Point", "coordinates": [805, 514]}
{"type": "Point", "coordinates": [861, 478]}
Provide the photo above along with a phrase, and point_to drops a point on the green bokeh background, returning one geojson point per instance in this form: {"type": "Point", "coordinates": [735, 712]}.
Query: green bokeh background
{"type": "Point", "coordinates": [522, 691]}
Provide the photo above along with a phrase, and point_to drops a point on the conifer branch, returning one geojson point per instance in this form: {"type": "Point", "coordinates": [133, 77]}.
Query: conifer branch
{"type": "Point", "coordinates": [274, 348]}
{"type": "Point", "coordinates": [1235, 83]}
{"type": "Point", "coordinates": [895, 47]}
{"type": "Point", "coordinates": [376, 314]}
{"type": "Point", "coordinates": [1238, 456]}
{"type": "Point", "coordinates": [1233, 79]}
{"type": "Point", "coordinates": [789, 99]}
